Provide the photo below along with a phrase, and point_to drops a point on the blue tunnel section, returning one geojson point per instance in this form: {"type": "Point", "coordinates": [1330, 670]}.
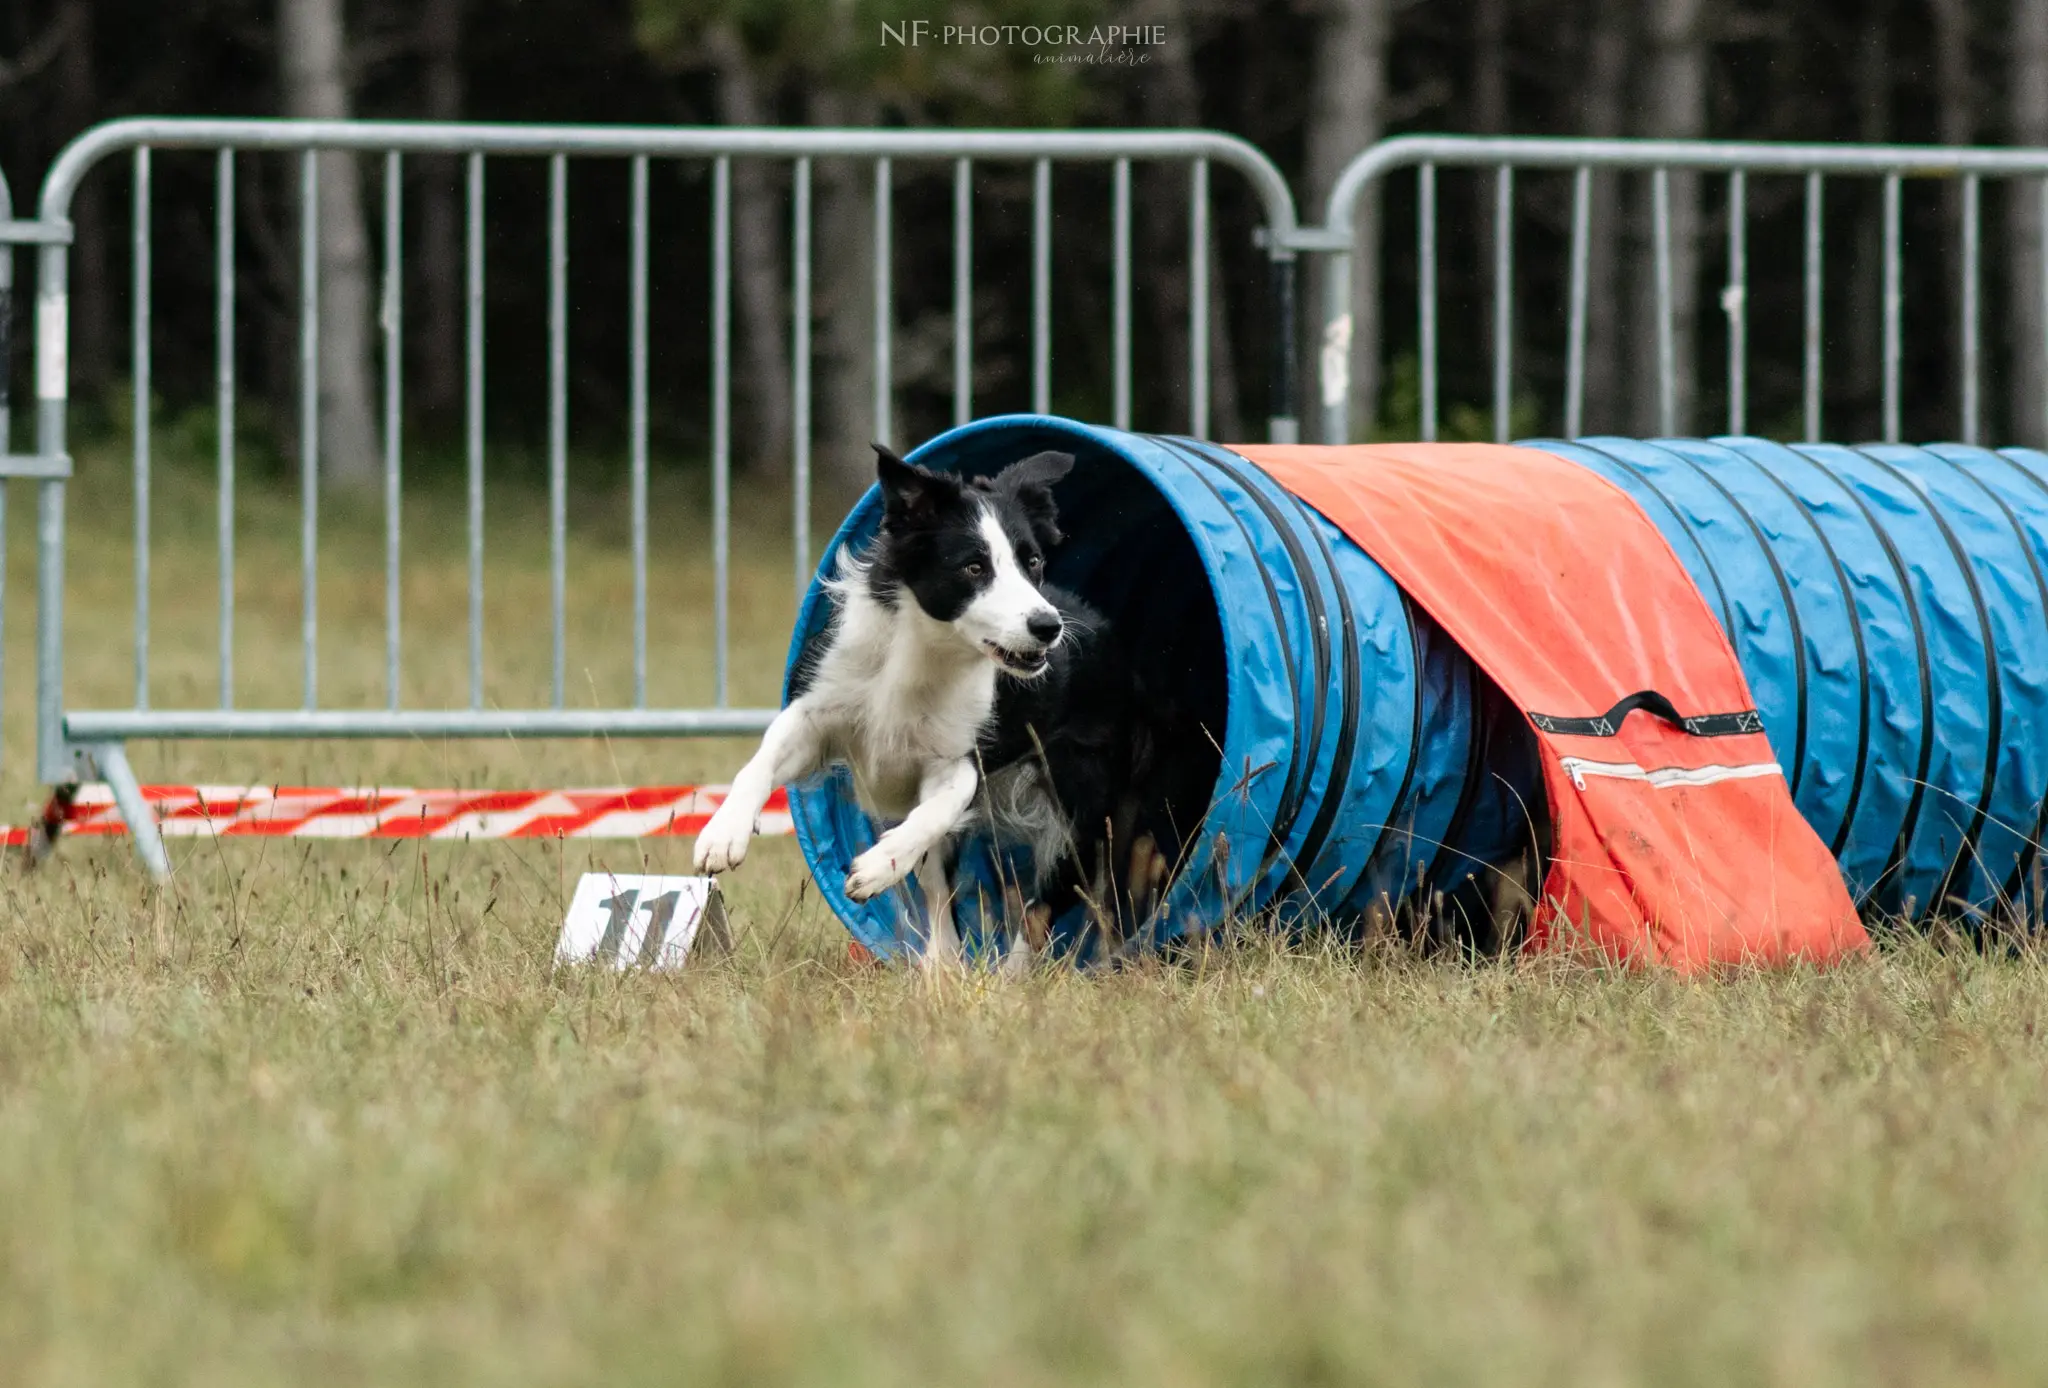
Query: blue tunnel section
{"type": "Point", "coordinates": [1358, 755]}
{"type": "Point", "coordinates": [1889, 605]}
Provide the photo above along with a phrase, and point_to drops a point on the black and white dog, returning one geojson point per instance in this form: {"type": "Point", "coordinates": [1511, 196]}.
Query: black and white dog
{"type": "Point", "coordinates": [956, 684]}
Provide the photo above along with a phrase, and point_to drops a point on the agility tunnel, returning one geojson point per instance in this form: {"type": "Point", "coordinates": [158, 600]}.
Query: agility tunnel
{"type": "Point", "coordinates": [1888, 607]}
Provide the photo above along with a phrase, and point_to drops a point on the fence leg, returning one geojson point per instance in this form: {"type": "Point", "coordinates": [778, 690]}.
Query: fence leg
{"type": "Point", "coordinates": [1335, 361]}
{"type": "Point", "coordinates": [110, 760]}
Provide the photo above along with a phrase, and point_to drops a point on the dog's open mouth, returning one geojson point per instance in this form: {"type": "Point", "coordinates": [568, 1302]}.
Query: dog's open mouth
{"type": "Point", "coordinates": [1016, 662]}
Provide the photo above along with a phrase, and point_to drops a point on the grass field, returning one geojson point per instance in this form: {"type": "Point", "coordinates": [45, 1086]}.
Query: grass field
{"type": "Point", "coordinates": [322, 1113]}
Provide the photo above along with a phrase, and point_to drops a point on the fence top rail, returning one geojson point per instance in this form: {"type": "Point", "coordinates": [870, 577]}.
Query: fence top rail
{"type": "Point", "coordinates": [790, 142]}
{"type": "Point", "coordinates": [1546, 152]}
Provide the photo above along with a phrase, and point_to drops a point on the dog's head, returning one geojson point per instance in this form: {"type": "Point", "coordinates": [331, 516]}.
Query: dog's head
{"type": "Point", "coordinates": [972, 554]}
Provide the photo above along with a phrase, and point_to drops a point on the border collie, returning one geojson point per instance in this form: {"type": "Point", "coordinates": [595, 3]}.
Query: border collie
{"type": "Point", "coordinates": [954, 674]}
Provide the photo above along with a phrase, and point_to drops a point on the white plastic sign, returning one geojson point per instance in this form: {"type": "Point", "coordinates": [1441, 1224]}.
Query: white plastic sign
{"type": "Point", "coordinates": [630, 920]}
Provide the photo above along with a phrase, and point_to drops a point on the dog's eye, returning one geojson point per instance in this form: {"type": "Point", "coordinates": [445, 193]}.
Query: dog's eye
{"type": "Point", "coordinates": [1035, 563]}
{"type": "Point", "coordinates": [972, 570]}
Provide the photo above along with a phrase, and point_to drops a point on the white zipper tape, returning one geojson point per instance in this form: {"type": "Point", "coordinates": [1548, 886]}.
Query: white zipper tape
{"type": "Point", "coordinates": [1579, 768]}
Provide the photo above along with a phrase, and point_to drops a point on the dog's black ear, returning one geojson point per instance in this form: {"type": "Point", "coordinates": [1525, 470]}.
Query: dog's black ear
{"type": "Point", "coordinates": [1040, 470]}
{"type": "Point", "coordinates": [1031, 481]}
{"type": "Point", "coordinates": [908, 490]}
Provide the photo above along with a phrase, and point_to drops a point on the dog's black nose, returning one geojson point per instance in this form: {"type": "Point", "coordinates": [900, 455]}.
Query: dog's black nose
{"type": "Point", "coordinates": [1045, 627]}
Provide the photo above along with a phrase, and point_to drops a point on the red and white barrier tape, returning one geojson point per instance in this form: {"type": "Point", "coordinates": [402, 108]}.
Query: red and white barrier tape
{"type": "Point", "coordinates": [329, 812]}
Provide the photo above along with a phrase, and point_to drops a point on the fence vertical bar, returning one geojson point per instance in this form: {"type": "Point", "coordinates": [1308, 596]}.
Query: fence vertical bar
{"type": "Point", "coordinates": [636, 387]}
{"type": "Point", "coordinates": [309, 419]}
{"type": "Point", "coordinates": [1735, 303]}
{"type": "Point", "coordinates": [394, 307]}
{"type": "Point", "coordinates": [1667, 350]}
{"type": "Point", "coordinates": [721, 415]}
{"type": "Point", "coordinates": [1575, 331]}
{"type": "Point", "coordinates": [6, 411]}
{"type": "Point", "coordinates": [224, 407]}
{"type": "Point", "coordinates": [1893, 303]}
{"type": "Point", "coordinates": [1503, 301]}
{"type": "Point", "coordinates": [1811, 374]}
{"type": "Point", "coordinates": [53, 302]}
{"type": "Point", "coordinates": [474, 424]}
{"type": "Point", "coordinates": [1198, 299]}
{"type": "Point", "coordinates": [1041, 287]}
{"type": "Point", "coordinates": [1334, 387]}
{"type": "Point", "coordinates": [558, 421]}
{"type": "Point", "coordinates": [1425, 294]}
{"type": "Point", "coordinates": [139, 346]}
{"type": "Point", "coordinates": [884, 307]}
{"type": "Point", "coordinates": [1120, 297]}
{"type": "Point", "coordinates": [963, 291]}
{"type": "Point", "coordinates": [6, 355]}
{"type": "Point", "coordinates": [1970, 326]}
{"type": "Point", "coordinates": [800, 367]}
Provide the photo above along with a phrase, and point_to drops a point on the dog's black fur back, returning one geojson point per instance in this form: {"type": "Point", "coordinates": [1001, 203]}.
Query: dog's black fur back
{"type": "Point", "coordinates": [1122, 760]}
{"type": "Point", "coordinates": [1074, 722]}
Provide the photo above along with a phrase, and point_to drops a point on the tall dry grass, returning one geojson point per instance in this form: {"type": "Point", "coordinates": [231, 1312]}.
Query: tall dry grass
{"type": "Point", "coordinates": [323, 1112]}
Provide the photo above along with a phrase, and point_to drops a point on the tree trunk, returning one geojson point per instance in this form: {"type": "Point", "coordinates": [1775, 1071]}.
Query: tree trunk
{"type": "Point", "coordinates": [1489, 117]}
{"type": "Point", "coordinates": [1170, 97]}
{"type": "Point", "coordinates": [1347, 105]}
{"type": "Point", "coordinates": [78, 106]}
{"type": "Point", "coordinates": [441, 270]}
{"type": "Point", "coordinates": [758, 233]}
{"type": "Point", "coordinates": [1954, 110]}
{"type": "Point", "coordinates": [842, 303]}
{"type": "Point", "coordinates": [1490, 67]}
{"type": "Point", "coordinates": [2028, 101]}
{"type": "Point", "coordinates": [1226, 406]}
{"type": "Point", "coordinates": [1954, 124]}
{"type": "Point", "coordinates": [1605, 101]}
{"type": "Point", "coordinates": [1676, 102]}
{"type": "Point", "coordinates": [312, 52]}
{"type": "Point", "coordinates": [1864, 310]}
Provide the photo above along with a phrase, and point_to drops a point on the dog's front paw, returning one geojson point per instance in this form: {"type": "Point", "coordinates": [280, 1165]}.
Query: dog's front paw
{"type": "Point", "coordinates": [875, 871]}
{"type": "Point", "coordinates": [1029, 940]}
{"type": "Point", "coordinates": [723, 843]}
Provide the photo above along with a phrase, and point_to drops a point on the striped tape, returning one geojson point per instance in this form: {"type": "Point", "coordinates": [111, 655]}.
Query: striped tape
{"type": "Point", "coordinates": [332, 812]}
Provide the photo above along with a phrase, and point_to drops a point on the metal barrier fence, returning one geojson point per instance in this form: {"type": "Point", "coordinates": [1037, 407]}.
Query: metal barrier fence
{"type": "Point", "coordinates": [47, 465]}
{"type": "Point", "coordinates": [11, 233]}
{"type": "Point", "coordinates": [8, 231]}
{"type": "Point", "coordinates": [1812, 163]}
{"type": "Point", "coordinates": [73, 741]}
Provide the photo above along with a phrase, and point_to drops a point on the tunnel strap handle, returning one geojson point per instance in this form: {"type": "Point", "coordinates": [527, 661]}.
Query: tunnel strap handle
{"type": "Point", "coordinates": [1650, 701]}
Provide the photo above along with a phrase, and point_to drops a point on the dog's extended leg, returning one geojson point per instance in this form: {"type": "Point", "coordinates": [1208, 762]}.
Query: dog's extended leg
{"type": "Point", "coordinates": [943, 797]}
{"type": "Point", "coordinates": [791, 748]}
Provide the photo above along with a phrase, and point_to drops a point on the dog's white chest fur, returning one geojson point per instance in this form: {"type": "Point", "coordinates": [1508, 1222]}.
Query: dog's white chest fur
{"type": "Point", "coordinates": [896, 696]}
